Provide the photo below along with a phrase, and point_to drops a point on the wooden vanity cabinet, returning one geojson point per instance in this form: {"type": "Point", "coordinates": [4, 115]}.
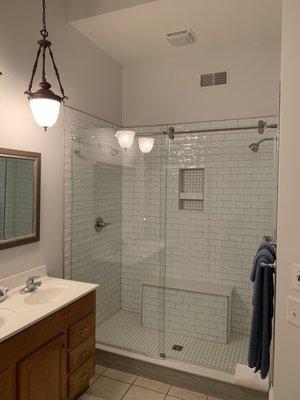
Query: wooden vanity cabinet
{"type": "Point", "coordinates": [52, 359]}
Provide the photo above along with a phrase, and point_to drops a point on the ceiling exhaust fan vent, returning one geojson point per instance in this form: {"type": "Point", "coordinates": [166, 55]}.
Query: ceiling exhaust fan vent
{"type": "Point", "coordinates": [181, 38]}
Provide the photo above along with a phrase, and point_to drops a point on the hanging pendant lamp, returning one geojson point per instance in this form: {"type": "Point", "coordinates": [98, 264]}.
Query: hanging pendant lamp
{"type": "Point", "coordinates": [44, 103]}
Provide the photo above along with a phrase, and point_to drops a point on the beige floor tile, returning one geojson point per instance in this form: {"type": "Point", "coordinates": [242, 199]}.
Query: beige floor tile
{"type": "Point", "coordinates": [99, 369]}
{"type": "Point", "coordinates": [88, 397]}
{"type": "Point", "coordinates": [152, 384]}
{"type": "Point", "coordinates": [213, 398]}
{"type": "Point", "coordinates": [171, 398]}
{"type": "Point", "coordinates": [186, 394]}
{"type": "Point", "coordinates": [139, 393]}
{"type": "Point", "coordinates": [120, 375]}
{"type": "Point", "coordinates": [93, 379]}
{"type": "Point", "coordinates": [108, 389]}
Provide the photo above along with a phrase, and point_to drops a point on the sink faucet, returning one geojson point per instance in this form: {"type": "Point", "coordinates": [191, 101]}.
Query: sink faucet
{"type": "Point", "coordinates": [31, 285]}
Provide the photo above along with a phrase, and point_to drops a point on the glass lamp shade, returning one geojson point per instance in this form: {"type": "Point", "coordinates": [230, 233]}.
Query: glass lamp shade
{"type": "Point", "coordinates": [146, 144]}
{"type": "Point", "coordinates": [125, 138]}
{"type": "Point", "coordinates": [45, 105]}
{"type": "Point", "coordinates": [45, 111]}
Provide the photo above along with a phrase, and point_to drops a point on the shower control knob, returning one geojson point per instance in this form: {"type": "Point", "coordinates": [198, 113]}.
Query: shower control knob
{"type": "Point", "coordinates": [100, 224]}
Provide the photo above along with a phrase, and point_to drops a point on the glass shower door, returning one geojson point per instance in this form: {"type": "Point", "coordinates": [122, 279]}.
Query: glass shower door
{"type": "Point", "coordinates": [221, 203]}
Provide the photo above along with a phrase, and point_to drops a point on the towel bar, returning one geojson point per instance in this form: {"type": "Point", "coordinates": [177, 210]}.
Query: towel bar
{"type": "Point", "coordinates": [263, 264]}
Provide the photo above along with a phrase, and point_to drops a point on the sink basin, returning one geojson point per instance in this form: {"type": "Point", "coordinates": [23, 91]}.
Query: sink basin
{"type": "Point", "coordinates": [6, 315]}
{"type": "Point", "coordinates": [45, 295]}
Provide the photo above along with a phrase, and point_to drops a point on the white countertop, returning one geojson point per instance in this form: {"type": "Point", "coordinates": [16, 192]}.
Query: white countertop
{"type": "Point", "coordinates": [19, 311]}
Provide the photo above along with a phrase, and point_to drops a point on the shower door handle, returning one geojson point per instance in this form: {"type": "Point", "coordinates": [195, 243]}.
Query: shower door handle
{"type": "Point", "coordinates": [100, 224]}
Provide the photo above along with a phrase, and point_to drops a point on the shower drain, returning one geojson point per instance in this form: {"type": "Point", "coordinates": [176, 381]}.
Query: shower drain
{"type": "Point", "coordinates": [177, 347]}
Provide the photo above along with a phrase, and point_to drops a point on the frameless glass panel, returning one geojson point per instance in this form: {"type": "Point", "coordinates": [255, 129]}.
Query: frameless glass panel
{"type": "Point", "coordinates": [221, 203]}
{"type": "Point", "coordinates": [125, 189]}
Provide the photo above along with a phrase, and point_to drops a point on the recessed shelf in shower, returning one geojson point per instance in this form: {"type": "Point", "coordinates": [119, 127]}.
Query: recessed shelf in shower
{"type": "Point", "coordinates": [191, 189]}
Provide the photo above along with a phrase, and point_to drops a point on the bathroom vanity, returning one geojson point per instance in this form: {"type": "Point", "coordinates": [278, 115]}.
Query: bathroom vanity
{"type": "Point", "coordinates": [53, 356]}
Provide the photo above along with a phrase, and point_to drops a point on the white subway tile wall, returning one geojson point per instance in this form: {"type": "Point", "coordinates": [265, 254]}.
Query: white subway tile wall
{"type": "Point", "coordinates": [214, 246]}
{"type": "Point", "coordinates": [194, 314]}
{"type": "Point", "coordinates": [150, 235]}
{"type": "Point", "coordinates": [93, 188]}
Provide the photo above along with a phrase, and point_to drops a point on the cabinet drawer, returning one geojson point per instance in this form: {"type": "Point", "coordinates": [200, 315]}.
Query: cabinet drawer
{"type": "Point", "coordinates": [81, 354]}
{"type": "Point", "coordinates": [81, 331]}
{"type": "Point", "coordinates": [79, 380]}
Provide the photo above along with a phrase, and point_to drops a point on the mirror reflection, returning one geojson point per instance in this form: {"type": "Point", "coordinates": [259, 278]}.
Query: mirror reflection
{"type": "Point", "coordinates": [19, 191]}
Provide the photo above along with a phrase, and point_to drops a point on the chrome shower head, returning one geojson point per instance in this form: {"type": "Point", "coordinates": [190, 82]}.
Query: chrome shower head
{"type": "Point", "coordinates": [254, 147]}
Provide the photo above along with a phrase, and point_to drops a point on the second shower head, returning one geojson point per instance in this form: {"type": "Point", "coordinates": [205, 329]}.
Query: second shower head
{"type": "Point", "coordinates": [255, 146]}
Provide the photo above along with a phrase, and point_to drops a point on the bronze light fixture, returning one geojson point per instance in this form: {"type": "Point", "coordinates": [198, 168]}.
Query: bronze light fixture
{"type": "Point", "coordinates": [44, 103]}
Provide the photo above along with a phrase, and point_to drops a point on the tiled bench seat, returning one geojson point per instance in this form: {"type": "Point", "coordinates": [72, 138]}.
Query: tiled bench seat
{"type": "Point", "coordinates": [196, 309]}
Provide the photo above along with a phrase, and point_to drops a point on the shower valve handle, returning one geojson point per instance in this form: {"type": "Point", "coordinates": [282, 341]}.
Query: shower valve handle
{"type": "Point", "coordinates": [100, 224]}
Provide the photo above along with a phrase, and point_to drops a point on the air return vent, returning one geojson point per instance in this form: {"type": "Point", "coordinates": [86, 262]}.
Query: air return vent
{"type": "Point", "coordinates": [213, 79]}
{"type": "Point", "coordinates": [181, 38]}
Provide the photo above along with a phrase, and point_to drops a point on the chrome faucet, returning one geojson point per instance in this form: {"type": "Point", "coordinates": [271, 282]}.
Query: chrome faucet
{"type": "Point", "coordinates": [31, 285]}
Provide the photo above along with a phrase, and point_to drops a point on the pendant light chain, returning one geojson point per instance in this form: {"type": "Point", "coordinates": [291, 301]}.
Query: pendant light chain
{"type": "Point", "coordinates": [64, 97]}
{"type": "Point", "coordinates": [44, 46]}
{"type": "Point", "coordinates": [44, 32]}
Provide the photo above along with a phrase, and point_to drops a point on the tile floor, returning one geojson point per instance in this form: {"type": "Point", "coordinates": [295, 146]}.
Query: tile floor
{"type": "Point", "coordinates": [124, 330]}
{"type": "Point", "coordinates": [111, 384]}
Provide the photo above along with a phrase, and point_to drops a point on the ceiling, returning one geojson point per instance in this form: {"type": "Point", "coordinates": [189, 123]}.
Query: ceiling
{"type": "Point", "coordinates": [134, 33]}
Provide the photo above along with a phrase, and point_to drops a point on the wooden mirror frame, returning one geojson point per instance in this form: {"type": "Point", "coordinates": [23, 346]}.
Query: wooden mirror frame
{"type": "Point", "coordinates": [35, 237]}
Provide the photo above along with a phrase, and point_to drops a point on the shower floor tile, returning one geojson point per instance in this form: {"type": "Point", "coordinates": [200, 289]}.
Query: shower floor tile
{"type": "Point", "coordinates": [124, 330]}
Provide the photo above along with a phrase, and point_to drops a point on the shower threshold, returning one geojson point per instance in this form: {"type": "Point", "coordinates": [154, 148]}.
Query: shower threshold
{"type": "Point", "coordinates": [124, 331]}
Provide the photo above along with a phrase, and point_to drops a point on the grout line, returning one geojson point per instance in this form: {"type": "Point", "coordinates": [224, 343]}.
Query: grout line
{"type": "Point", "coordinates": [152, 390]}
{"type": "Point", "coordinates": [118, 380]}
{"type": "Point", "coordinates": [126, 392]}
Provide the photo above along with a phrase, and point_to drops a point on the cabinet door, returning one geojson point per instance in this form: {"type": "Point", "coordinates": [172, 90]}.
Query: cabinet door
{"type": "Point", "coordinates": [6, 385]}
{"type": "Point", "coordinates": [42, 375]}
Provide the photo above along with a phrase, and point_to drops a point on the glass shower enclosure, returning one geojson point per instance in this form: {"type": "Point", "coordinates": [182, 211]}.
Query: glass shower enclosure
{"type": "Point", "coordinates": [179, 228]}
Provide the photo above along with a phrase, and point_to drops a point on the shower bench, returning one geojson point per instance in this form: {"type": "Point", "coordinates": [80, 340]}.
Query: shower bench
{"type": "Point", "coordinates": [183, 307]}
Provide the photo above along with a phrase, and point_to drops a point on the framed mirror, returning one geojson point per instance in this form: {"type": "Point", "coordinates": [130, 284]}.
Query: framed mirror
{"type": "Point", "coordinates": [20, 183]}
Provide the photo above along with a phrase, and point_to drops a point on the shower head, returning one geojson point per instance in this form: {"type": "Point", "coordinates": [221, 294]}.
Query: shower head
{"type": "Point", "coordinates": [254, 147]}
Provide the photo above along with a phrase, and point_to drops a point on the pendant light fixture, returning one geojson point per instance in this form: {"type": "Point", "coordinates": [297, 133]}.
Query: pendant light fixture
{"type": "Point", "coordinates": [44, 103]}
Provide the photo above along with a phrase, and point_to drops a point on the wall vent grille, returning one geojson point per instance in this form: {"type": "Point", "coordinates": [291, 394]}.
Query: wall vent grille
{"type": "Point", "coordinates": [214, 79]}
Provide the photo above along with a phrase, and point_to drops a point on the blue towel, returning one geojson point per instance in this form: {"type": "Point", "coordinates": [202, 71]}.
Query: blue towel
{"type": "Point", "coordinates": [264, 246]}
{"type": "Point", "coordinates": [263, 297]}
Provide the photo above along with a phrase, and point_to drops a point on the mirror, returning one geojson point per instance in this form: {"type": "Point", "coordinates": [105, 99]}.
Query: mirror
{"type": "Point", "coordinates": [20, 174]}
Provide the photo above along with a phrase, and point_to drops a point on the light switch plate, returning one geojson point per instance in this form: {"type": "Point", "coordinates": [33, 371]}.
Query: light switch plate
{"type": "Point", "coordinates": [293, 311]}
{"type": "Point", "coordinates": [296, 277]}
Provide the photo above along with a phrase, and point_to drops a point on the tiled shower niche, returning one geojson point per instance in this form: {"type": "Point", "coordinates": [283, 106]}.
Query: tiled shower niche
{"type": "Point", "coordinates": [191, 189]}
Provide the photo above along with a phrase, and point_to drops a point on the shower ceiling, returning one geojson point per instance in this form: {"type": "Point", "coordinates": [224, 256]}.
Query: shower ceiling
{"type": "Point", "coordinates": [133, 30]}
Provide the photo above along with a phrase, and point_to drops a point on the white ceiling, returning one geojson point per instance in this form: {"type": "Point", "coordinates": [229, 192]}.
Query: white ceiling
{"type": "Point", "coordinates": [136, 33]}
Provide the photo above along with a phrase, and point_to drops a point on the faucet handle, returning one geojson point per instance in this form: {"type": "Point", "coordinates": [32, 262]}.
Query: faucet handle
{"type": "Point", "coordinates": [31, 280]}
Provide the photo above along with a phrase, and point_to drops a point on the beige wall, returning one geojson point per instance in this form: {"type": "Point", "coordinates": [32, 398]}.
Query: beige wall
{"type": "Point", "coordinates": [168, 90]}
{"type": "Point", "coordinates": [287, 342]}
{"type": "Point", "coordinates": [92, 81]}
